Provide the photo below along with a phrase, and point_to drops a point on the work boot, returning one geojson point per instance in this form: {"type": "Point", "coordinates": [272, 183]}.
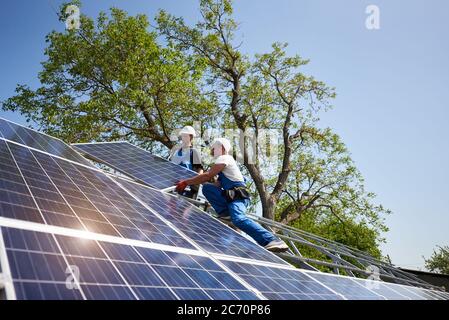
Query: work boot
{"type": "Point", "coordinates": [276, 246]}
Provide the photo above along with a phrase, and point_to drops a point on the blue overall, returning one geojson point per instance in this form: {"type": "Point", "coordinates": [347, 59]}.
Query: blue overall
{"type": "Point", "coordinates": [187, 164]}
{"type": "Point", "coordinates": [236, 209]}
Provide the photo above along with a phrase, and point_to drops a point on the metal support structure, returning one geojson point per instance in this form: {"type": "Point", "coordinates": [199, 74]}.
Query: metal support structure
{"type": "Point", "coordinates": [351, 261]}
{"type": "Point", "coordinates": [337, 253]}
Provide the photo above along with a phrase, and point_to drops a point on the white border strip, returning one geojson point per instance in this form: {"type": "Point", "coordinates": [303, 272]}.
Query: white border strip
{"type": "Point", "coordinates": [226, 257]}
{"type": "Point", "coordinates": [38, 227]}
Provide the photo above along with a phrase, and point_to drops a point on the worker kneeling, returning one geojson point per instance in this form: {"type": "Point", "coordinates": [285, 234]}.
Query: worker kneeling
{"type": "Point", "coordinates": [229, 196]}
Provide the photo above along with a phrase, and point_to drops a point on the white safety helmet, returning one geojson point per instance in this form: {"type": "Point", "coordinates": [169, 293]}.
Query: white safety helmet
{"type": "Point", "coordinates": [188, 130]}
{"type": "Point", "coordinates": [222, 142]}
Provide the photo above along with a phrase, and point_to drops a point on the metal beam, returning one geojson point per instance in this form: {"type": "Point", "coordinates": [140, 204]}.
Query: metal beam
{"type": "Point", "coordinates": [363, 272]}
{"type": "Point", "coordinates": [399, 275]}
{"type": "Point", "coordinates": [337, 252]}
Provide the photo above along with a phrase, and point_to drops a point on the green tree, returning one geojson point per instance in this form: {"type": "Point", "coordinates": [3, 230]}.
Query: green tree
{"type": "Point", "coordinates": [439, 261]}
{"type": "Point", "coordinates": [112, 80]}
{"type": "Point", "coordinates": [315, 174]}
{"type": "Point", "coordinates": [116, 79]}
{"type": "Point", "coordinates": [273, 75]}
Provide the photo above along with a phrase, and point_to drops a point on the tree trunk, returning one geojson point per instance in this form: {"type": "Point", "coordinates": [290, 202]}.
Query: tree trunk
{"type": "Point", "coordinates": [268, 207]}
{"type": "Point", "coordinates": [267, 200]}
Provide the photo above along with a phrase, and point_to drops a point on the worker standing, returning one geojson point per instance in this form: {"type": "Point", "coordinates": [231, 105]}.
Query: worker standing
{"type": "Point", "coordinates": [187, 156]}
{"type": "Point", "coordinates": [229, 196]}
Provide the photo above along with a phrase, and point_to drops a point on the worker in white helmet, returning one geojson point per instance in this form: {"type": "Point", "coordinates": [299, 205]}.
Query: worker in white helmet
{"type": "Point", "coordinates": [187, 156]}
{"type": "Point", "coordinates": [229, 196]}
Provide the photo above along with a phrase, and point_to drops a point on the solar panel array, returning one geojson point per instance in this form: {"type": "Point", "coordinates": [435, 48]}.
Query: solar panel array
{"type": "Point", "coordinates": [111, 271]}
{"type": "Point", "coordinates": [69, 231]}
{"type": "Point", "coordinates": [40, 188]}
{"type": "Point", "coordinates": [210, 234]}
{"type": "Point", "coordinates": [33, 139]}
{"type": "Point", "coordinates": [136, 163]}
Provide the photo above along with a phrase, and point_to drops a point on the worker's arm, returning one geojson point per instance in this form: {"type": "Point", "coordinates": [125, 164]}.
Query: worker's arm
{"type": "Point", "coordinates": [206, 176]}
{"type": "Point", "coordinates": [201, 178]}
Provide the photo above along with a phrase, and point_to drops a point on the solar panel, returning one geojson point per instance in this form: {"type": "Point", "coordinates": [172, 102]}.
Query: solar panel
{"type": "Point", "coordinates": [282, 284]}
{"type": "Point", "coordinates": [48, 190]}
{"type": "Point", "coordinates": [389, 291]}
{"type": "Point", "coordinates": [110, 271]}
{"type": "Point", "coordinates": [385, 290]}
{"type": "Point", "coordinates": [40, 188]}
{"type": "Point", "coordinates": [210, 234]}
{"type": "Point", "coordinates": [422, 294]}
{"type": "Point", "coordinates": [69, 231]}
{"type": "Point", "coordinates": [136, 163]}
{"type": "Point", "coordinates": [393, 291]}
{"type": "Point", "coordinates": [40, 141]}
{"type": "Point", "coordinates": [356, 289]}
{"type": "Point", "coordinates": [346, 286]}
{"type": "Point", "coordinates": [438, 294]}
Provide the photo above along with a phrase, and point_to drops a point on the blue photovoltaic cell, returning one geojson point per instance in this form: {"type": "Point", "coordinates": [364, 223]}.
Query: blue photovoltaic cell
{"type": "Point", "coordinates": [407, 292]}
{"type": "Point", "coordinates": [401, 289]}
{"type": "Point", "coordinates": [39, 262]}
{"type": "Point", "coordinates": [421, 294]}
{"type": "Point", "coordinates": [281, 284]}
{"type": "Point", "coordinates": [384, 289]}
{"type": "Point", "coordinates": [36, 140]}
{"type": "Point", "coordinates": [73, 196]}
{"type": "Point", "coordinates": [391, 291]}
{"type": "Point", "coordinates": [350, 289]}
{"type": "Point", "coordinates": [136, 163]}
{"type": "Point", "coordinates": [210, 234]}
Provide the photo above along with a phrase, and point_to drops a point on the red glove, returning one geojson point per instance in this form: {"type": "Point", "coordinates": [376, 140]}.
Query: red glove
{"type": "Point", "coordinates": [181, 186]}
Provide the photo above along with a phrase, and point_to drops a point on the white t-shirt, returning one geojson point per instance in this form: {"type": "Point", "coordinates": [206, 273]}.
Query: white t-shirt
{"type": "Point", "coordinates": [231, 170]}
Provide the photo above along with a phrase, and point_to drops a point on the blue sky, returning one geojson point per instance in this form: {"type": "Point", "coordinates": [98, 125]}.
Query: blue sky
{"type": "Point", "coordinates": [392, 87]}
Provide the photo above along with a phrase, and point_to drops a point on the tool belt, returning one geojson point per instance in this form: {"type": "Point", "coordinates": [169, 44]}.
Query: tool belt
{"type": "Point", "coordinates": [236, 193]}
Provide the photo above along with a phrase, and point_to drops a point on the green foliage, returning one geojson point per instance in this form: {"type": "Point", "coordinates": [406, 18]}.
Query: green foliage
{"type": "Point", "coordinates": [315, 184]}
{"type": "Point", "coordinates": [111, 79]}
{"type": "Point", "coordinates": [439, 261]}
{"type": "Point", "coordinates": [327, 193]}
{"type": "Point", "coordinates": [117, 78]}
